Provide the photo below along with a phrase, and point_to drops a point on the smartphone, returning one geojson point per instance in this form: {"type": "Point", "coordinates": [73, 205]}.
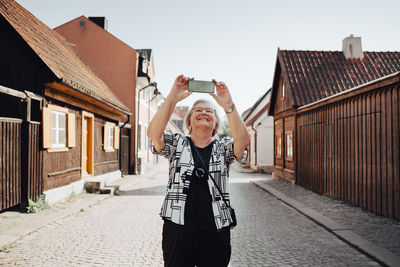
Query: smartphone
{"type": "Point", "coordinates": [201, 86]}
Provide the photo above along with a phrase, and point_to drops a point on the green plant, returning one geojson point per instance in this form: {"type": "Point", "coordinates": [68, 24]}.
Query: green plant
{"type": "Point", "coordinates": [34, 207]}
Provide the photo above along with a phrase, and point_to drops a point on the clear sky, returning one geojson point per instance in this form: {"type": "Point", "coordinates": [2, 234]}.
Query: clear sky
{"type": "Point", "coordinates": [232, 41]}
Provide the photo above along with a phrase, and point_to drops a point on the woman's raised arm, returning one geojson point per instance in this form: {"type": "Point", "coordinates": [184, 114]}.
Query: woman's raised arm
{"type": "Point", "coordinates": [238, 128]}
{"type": "Point", "coordinates": [160, 120]}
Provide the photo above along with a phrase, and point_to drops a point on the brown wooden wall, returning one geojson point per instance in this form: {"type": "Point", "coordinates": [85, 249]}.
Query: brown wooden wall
{"type": "Point", "coordinates": [63, 168]}
{"type": "Point", "coordinates": [350, 150]}
{"type": "Point", "coordinates": [103, 161]}
{"type": "Point", "coordinates": [282, 103]}
{"type": "Point", "coordinates": [10, 164]}
{"type": "Point", "coordinates": [34, 173]}
{"type": "Point", "coordinates": [289, 125]}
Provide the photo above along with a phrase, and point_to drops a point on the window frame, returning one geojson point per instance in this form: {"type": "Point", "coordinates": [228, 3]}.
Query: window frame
{"type": "Point", "coordinates": [47, 126]}
{"type": "Point", "coordinates": [110, 141]}
{"type": "Point", "coordinates": [58, 145]}
{"type": "Point", "coordinates": [278, 135]}
{"type": "Point", "coordinates": [289, 157]}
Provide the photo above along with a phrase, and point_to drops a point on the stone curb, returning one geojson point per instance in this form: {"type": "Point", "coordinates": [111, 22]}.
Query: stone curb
{"type": "Point", "coordinates": [346, 234]}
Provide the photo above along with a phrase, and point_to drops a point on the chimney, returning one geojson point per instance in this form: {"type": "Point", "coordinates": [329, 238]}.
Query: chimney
{"type": "Point", "coordinates": [100, 21]}
{"type": "Point", "coordinates": [351, 47]}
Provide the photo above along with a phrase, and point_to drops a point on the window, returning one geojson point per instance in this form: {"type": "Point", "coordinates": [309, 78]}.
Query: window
{"type": "Point", "coordinates": [58, 126]}
{"type": "Point", "coordinates": [58, 129]}
{"type": "Point", "coordinates": [283, 89]}
{"type": "Point", "coordinates": [278, 145]}
{"type": "Point", "coordinates": [111, 137]}
{"type": "Point", "coordinates": [289, 145]}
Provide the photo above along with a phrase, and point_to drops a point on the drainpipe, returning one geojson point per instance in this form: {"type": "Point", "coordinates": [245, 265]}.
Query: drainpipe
{"type": "Point", "coordinates": [120, 143]}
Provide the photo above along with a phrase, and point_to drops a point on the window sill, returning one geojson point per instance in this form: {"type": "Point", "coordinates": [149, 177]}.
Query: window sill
{"type": "Point", "coordinates": [58, 149]}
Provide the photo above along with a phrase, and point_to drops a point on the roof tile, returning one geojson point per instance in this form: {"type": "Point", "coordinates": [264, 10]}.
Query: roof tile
{"type": "Point", "coordinates": [313, 75]}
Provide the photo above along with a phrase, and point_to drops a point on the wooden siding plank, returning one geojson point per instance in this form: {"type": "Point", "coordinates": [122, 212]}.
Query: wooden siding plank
{"type": "Point", "coordinates": [364, 146]}
{"type": "Point", "coordinates": [396, 157]}
{"type": "Point", "coordinates": [318, 148]}
{"type": "Point", "coordinates": [341, 136]}
{"type": "Point", "coordinates": [338, 154]}
{"type": "Point", "coordinates": [360, 149]}
{"type": "Point", "coordinates": [322, 175]}
{"type": "Point", "coordinates": [352, 151]}
{"type": "Point", "coordinates": [389, 153]}
{"type": "Point", "coordinates": [350, 177]}
{"type": "Point", "coordinates": [336, 144]}
{"type": "Point", "coordinates": [325, 146]}
{"type": "Point", "coordinates": [356, 151]}
{"type": "Point", "coordinates": [348, 149]}
{"type": "Point", "coordinates": [368, 148]}
{"type": "Point", "coordinates": [373, 153]}
{"type": "Point", "coordinates": [2, 174]}
{"type": "Point", "coordinates": [345, 151]}
{"type": "Point", "coordinates": [8, 162]}
{"type": "Point", "coordinates": [378, 155]}
{"type": "Point", "coordinates": [331, 148]}
{"type": "Point", "coordinates": [313, 155]}
{"type": "Point", "coordinates": [384, 154]}
{"type": "Point", "coordinates": [11, 154]}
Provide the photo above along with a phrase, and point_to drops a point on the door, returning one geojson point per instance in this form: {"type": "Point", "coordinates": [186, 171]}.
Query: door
{"type": "Point", "coordinates": [84, 145]}
{"type": "Point", "coordinates": [87, 144]}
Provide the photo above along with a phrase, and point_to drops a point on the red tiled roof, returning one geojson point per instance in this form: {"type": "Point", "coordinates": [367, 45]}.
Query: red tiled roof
{"type": "Point", "coordinates": [57, 54]}
{"type": "Point", "coordinates": [314, 75]}
{"type": "Point", "coordinates": [247, 113]}
{"type": "Point", "coordinates": [246, 116]}
{"type": "Point", "coordinates": [256, 116]}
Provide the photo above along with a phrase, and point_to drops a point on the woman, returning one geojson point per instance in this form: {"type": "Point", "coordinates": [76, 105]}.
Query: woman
{"type": "Point", "coordinates": [196, 229]}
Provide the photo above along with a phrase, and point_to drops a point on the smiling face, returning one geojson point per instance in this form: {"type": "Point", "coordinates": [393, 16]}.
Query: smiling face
{"type": "Point", "coordinates": [202, 117]}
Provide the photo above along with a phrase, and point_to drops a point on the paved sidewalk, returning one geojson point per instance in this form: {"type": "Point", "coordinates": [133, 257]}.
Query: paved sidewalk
{"type": "Point", "coordinates": [15, 224]}
{"type": "Point", "coordinates": [378, 237]}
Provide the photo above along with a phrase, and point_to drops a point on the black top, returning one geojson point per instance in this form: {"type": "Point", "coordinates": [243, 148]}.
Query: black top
{"type": "Point", "coordinates": [198, 208]}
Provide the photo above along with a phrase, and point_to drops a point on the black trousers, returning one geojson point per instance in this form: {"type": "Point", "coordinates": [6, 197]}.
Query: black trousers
{"type": "Point", "coordinates": [188, 246]}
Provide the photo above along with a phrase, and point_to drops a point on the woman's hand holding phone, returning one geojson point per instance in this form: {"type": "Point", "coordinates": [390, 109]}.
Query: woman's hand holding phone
{"type": "Point", "coordinates": [179, 88]}
{"type": "Point", "coordinates": [223, 97]}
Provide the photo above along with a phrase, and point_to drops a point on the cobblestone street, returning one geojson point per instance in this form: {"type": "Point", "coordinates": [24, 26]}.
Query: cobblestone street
{"type": "Point", "coordinates": [125, 230]}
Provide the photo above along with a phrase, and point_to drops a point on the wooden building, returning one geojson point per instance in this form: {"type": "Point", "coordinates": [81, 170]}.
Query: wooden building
{"type": "Point", "coordinates": [348, 146]}
{"type": "Point", "coordinates": [59, 121]}
{"type": "Point", "coordinates": [336, 124]}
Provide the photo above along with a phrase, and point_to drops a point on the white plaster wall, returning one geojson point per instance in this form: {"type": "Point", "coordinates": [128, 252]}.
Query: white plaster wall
{"type": "Point", "coordinates": [265, 142]}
